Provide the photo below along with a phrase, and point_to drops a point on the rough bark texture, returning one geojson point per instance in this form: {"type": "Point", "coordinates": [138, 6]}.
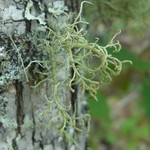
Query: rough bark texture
{"type": "Point", "coordinates": [24, 125]}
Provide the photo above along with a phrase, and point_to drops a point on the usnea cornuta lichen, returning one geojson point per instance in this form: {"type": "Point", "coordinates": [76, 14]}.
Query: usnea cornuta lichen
{"type": "Point", "coordinates": [55, 43]}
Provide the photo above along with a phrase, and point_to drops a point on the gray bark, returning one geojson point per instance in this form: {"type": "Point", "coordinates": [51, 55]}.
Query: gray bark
{"type": "Point", "coordinates": [27, 121]}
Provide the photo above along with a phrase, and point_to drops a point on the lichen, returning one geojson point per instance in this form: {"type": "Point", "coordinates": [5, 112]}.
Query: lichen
{"type": "Point", "coordinates": [57, 8]}
{"type": "Point", "coordinates": [71, 41]}
{"type": "Point", "coordinates": [30, 16]}
{"type": "Point", "coordinates": [60, 48]}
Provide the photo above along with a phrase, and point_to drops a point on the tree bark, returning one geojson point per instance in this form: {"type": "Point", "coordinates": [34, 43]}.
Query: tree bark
{"type": "Point", "coordinates": [27, 121]}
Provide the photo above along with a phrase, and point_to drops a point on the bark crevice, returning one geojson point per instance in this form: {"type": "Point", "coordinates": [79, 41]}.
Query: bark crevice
{"type": "Point", "coordinates": [34, 124]}
{"type": "Point", "coordinates": [19, 105]}
{"type": "Point", "coordinates": [19, 112]}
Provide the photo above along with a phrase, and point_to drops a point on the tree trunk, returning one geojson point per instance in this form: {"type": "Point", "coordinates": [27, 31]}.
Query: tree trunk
{"type": "Point", "coordinates": [29, 117]}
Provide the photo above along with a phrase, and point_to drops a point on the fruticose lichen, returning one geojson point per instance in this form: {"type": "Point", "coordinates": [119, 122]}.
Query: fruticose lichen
{"type": "Point", "coordinates": [53, 47]}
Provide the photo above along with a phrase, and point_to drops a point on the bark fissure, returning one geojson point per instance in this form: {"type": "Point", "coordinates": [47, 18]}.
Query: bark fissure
{"type": "Point", "coordinates": [41, 145]}
{"type": "Point", "coordinates": [34, 124]}
{"type": "Point", "coordinates": [14, 143]}
{"type": "Point", "coordinates": [19, 105]}
{"type": "Point", "coordinates": [19, 112]}
{"type": "Point", "coordinates": [28, 26]}
{"type": "Point", "coordinates": [41, 142]}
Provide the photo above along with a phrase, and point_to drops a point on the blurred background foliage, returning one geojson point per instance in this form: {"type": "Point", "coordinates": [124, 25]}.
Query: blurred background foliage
{"type": "Point", "coordinates": [121, 117]}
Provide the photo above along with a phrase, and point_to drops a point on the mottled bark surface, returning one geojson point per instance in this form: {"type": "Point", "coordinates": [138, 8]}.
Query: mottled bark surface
{"type": "Point", "coordinates": [26, 120]}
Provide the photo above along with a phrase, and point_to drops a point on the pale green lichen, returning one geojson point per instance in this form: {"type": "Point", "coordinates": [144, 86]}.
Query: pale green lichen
{"type": "Point", "coordinates": [69, 40]}
{"type": "Point", "coordinates": [78, 51]}
{"type": "Point", "coordinates": [29, 16]}
{"type": "Point", "coordinates": [57, 8]}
